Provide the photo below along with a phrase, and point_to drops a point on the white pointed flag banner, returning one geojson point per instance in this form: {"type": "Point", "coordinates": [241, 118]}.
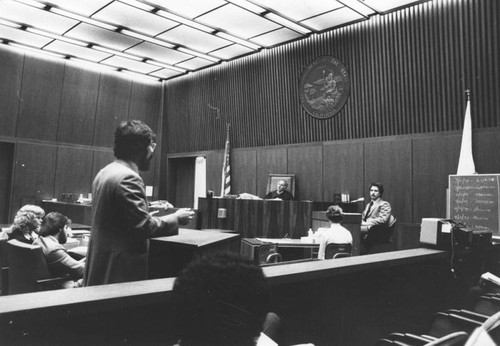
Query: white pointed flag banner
{"type": "Point", "coordinates": [226, 169]}
{"type": "Point", "coordinates": [466, 161]}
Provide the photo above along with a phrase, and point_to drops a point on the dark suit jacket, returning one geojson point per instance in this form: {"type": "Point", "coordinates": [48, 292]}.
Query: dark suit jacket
{"type": "Point", "coordinates": [285, 195]}
{"type": "Point", "coordinates": [121, 226]}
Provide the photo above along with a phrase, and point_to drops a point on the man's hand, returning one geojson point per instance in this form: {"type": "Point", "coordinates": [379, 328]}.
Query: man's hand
{"type": "Point", "coordinates": [184, 215]}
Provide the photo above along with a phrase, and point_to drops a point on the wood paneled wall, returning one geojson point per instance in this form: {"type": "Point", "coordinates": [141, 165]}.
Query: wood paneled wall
{"type": "Point", "coordinates": [401, 124]}
{"type": "Point", "coordinates": [408, 72]}
{"type": "Point", "coordinates": [61, 120]}
{"type": "Point", "coordinates": [414, 169]}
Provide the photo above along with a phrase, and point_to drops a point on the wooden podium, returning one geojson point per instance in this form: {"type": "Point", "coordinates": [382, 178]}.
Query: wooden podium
{"type": "Point", "coordinates": [169, 255]}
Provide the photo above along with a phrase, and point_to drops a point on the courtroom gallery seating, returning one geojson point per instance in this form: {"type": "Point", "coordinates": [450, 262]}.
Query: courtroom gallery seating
{"type": "Point", "coordinates": [28, 269]}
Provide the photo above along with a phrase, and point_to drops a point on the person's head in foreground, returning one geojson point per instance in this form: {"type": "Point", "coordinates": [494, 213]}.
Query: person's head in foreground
{"type": "Point", "coordinates": [220, 299]}
{"type": "Point", "coordinates": [334, 214]}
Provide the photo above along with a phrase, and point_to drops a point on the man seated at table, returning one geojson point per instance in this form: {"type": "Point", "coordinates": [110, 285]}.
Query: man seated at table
{"type": "Point", "coordinates": [54, 232]}
{"type": "Point", "coordinates": [280, 192]}
{"type": "Point", "coordinates": [335, 234]}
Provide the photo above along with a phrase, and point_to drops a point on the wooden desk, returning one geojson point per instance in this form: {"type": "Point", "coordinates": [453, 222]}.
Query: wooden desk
{"type": "Point", "coordinates": [257, 218]}
{"type": "Point", "coordinates": [168, 255]}
{"type": "Point", "coordinates": [78, 213]}
{"type": "Point", "coordinates": [257, 249]}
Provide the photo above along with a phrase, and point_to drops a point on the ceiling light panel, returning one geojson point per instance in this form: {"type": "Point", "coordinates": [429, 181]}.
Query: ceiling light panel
{"type": "Point", "coordinates": [231, 52]}
{"type": "Point", "coordinates": [299, 10]}
{"type": "Point", "coordinates": [134, 18]}
{"type": "Point", "coordinates": [389, 5]}
{"type": "Point", "coordinates": [190, 8]}
{"type": "Point", "coordinates": [276, 37]}
{"type": "Point", "coordinates": [194, 39]}
{"type": "Point", "coordinates": [333, 19]}
{"type": "Point", "coordinates": [359, 7]}
{"type": "Point", "coordinates": [161, 54]}
{"type": "Point", "coordinates": [23, 37]}
{"type": "Point", "coordinates": [103, 37]}
{"type": "Point", "coordinates": [39, 18]}
{"type": "Point", "coordinates": [195, 64]}
{"type": "Point", "coordinates": [166, 73]}
{"type": "Point", "coordinates": [238, 21]}
{"type": "Point", "coordinates": [120, 62]}
{"type": "Point", "coordinates": [76, 51]}
{"type": "Point", "coordinates": [85, 8]}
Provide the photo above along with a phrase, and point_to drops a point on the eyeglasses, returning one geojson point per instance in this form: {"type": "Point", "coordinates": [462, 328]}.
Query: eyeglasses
{"type": "Point", "coordinates": [153, 147]}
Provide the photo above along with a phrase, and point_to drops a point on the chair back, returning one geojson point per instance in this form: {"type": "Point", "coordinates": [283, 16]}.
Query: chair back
{"type": "Point", "coordinates": [333, 250]}
{"type": "Point", "coordinates": [392, 226]}
{"type": "Point", "coordinates": [4, 266]}
{"type": "Point", "coordinates": [26, 265]}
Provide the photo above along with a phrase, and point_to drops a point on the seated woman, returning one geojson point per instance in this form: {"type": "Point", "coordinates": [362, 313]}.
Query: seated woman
{"type": "Point", "coordinates": [335, 234]}
{"type": "Point", "coordinates": [54, 232]}
{"type": "Point", "coordinates": [25, 227]}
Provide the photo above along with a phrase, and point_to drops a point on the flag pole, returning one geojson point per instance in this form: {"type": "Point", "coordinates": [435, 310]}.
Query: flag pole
{"type": "Point", "coordinates": [466, 164]}
{"type": "Point", "coordinates": [226, 166]}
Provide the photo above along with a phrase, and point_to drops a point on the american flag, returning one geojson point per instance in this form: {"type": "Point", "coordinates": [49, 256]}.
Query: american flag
{"type": "Point", "coordinates": [226, 169]}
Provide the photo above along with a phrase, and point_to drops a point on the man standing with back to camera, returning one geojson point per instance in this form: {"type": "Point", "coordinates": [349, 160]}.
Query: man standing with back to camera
{"type": "Point", "coordinates": [121, 223]}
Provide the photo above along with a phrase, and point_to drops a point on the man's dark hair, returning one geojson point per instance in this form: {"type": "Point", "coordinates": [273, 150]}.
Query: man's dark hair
{"type": "Point", "coordinates": [52, 223]}
{"type": "Point", "coordinates": [380, 187]}
{"type": "Point", "coordinates": [130, 137]}
{"type": "Point", "coordinates": [220, 299]}
{"type": "Point", "coordinates": [334, 214]}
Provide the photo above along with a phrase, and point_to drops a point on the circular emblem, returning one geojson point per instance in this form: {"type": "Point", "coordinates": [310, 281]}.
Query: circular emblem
{"type": "Point", "coordinates": [324, 87]}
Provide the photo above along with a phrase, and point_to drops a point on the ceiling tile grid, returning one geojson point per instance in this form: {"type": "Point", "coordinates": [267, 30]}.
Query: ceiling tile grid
{"type": "Point", "coordinates": [166, 39]}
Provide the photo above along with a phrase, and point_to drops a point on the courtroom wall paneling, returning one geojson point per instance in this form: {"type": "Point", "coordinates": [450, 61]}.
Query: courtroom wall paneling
{"type": "Point", "coordinates": [78, 106]}
{"type": "Point", "coordinates": [145, 102]}
{"type": "Point", "coordinates": [244, 171]}
{"type": "Point", "coordinates": [434, 158]}
{"type": "Point", "coordinates": [40, 99]}
{"type": "Point", "coordinates": [484, 144]}
{"type": "Point", "coordinates": [389, 161]}
{"type": "Point", "coordinates": [101, 159]}
{"type": "Point", "coordinates": [183, 182]}
{"type": "Point", "coordinates": [343, 170]}
{"type": "Point", "coordinates": [34, 173]}
{"type": "Point", "coordinates": [417, 86]}
{"type": "Point", "coordinates": [6, 168]}
{"type": "Point", "coordinates": [306, 162]}
{"type": "Point", "coordinates": [73, 171]}
{"type": "Point", "coordinates": [214, 171]}
{"type": "Point", "coordinates": [11, 70]}
{"type": "Point", "coordinates": [112, 108]}
{"type": "Point", "coordinates": [270, 161]}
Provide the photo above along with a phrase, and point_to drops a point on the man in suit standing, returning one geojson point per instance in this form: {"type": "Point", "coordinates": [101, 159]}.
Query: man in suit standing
{"type": "Point", "coordinates": [121, 222]}
{"type": "Point", "coordinates": [375, 218]}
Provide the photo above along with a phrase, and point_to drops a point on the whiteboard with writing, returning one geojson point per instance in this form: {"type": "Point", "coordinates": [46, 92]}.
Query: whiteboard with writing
{"type": "Point", "coordinates": [474, 201]}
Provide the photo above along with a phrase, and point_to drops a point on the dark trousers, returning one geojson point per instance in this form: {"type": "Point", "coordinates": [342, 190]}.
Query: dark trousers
{"type": "Point", "coordinates": [378, 234]}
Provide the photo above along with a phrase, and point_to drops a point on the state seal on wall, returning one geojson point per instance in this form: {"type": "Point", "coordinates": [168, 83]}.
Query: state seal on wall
{"type": "Point", "coordinates": [324, 87]}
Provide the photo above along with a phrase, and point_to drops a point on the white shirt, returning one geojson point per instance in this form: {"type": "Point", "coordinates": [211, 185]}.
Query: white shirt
{"type": "Point", "coordinates": [336, 234]}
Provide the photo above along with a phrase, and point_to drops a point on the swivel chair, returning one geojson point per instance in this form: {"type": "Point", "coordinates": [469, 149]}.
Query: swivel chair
{"type": "Point", "coordinates": [333, 250]}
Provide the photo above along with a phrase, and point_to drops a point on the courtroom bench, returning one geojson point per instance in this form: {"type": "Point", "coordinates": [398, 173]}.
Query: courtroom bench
{"type": "Point", "coordinates": [348, 301]}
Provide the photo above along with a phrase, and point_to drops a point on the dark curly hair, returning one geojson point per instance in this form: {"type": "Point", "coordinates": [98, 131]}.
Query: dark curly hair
{"type": "Point", "coordinates": [220, 299]}
{"type": "Point", "coordinates": [130, 137]}
{"type": "Point", "coordinates": [52, 223]}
